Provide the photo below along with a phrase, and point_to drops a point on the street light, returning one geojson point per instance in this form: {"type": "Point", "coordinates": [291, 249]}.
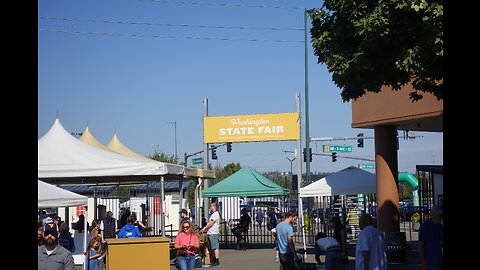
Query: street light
{"type": "Point", "coordinates": [175, 125]}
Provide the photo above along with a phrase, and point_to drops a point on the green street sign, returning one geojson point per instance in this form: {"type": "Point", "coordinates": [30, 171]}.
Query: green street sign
{"type": "Point", "coordinates": [337, 148]}
{"type": "Point", "coordinates": [197, 161]}
{"type": "Point", "coordinates": [366, 166]}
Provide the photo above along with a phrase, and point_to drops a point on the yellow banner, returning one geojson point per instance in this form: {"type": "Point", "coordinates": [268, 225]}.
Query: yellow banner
{"type": "Point", "coordinates": [251, 128]}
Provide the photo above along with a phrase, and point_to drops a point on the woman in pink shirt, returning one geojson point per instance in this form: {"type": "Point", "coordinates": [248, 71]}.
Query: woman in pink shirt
{"type": "Point", "coordinates": [187, 240]}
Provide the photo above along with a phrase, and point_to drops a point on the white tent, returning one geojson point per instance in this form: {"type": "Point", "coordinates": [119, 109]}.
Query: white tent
{"type": "Point", "coordinates": [52, 196]}
{"type": "Point", "coordinates": [349, 181]}
{"type": "Point", "coordinates": [63, 158]}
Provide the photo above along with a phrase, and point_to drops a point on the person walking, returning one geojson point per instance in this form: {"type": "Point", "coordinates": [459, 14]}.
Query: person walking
{"type": "Point", "coordinates": [187, 240]}
{"type": "Point", "coordinates": [259, 217]}
{"type": "Point", "coordinates": [340, 234]}
{"type": "Point", "coordinates": [332, 249]}
{"type": "Point", "coordinates": [212, 229]}
{"type": "Point", "coordinates": [370, 253]}
{"type": "Point", "coordinates": [52, 256]}
{"type": "Point", "coordinates": [285, 242]}
{"type": "Point", "coordinates": [430, 240]}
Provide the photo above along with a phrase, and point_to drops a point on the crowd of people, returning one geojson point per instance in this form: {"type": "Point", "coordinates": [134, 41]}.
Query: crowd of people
{"type": "Point", "coordinates": [56, 245]}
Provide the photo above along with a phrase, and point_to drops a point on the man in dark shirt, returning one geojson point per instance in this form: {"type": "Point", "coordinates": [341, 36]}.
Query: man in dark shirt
{"type": "Point", "coordinates": [430, 240]}
{"type": "Point", "coordinates": [183, 215]}
{"type": "Point", "coordinates": [242, 226]}
{"type": "Point", "coordinates": [109, 226]}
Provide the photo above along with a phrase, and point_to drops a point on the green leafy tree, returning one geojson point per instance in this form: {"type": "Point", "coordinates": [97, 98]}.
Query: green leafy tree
{"type": "Point", "coordinates": [369, 44]}
{"type": "Point", "coordinates": [162, 157]}
{"type": "Point", "coordinates": [224, 172]}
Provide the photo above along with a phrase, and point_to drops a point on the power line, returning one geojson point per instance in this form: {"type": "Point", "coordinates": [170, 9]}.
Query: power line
{"type": "Point", "coordinates": [164, 36]}
{"type": "Point", "coordinates": [222, 4]}
{"type": "Point", "coordinates": [171, 24]}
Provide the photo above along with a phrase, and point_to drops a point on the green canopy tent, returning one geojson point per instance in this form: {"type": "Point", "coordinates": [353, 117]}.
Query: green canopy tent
{"type": "Point", "coordinates": [245, 182]}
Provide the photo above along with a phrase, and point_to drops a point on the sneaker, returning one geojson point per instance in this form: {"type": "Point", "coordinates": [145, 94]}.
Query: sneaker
{"type": "Point", "coordinates": [216, 263]}
{"type": "Point", "coordinates": [277, 259]}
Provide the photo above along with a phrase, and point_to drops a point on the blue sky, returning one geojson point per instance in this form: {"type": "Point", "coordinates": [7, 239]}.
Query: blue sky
{"type": "Point", "coordinates": [133, 77]}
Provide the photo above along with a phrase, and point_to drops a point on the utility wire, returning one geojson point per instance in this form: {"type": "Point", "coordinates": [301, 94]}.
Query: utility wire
{"type": "Point", "coordinates": [164, 36]}
{"type": "Point", "coordinates": [171, 24]}
{"type": "Point", "coordinates": [222, 4]}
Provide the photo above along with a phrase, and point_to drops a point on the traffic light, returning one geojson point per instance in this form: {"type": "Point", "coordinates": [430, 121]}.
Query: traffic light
{"type": "Point", "coordinates": [334, 156]}
{"type": "Point", "coordinates": [214, 153]}
{"type": "Point", "coordinates": [305, 154]}
{"type": "Point", "coordinates": [360, 140]}
{"type": "Point", "coordinates": [229, 147]}
{"type": "Point", "coordinates": [294, 182]}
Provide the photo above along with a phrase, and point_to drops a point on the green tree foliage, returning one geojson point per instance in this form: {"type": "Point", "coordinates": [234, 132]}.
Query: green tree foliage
{"type": "Point", "coordinates": [404, 191]}
{"type": "Point", "coordinates": [222, 173]}
{"type": "Point", "coordinates": [369, 44]}
{"type": "Point", "coordinates": [162, 157]}
{"type": "Point", "coordinates": [123, 193]}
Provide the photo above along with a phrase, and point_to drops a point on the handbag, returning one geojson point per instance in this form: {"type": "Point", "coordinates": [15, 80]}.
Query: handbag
{"type": "Point", "coordinates": [183, 251]}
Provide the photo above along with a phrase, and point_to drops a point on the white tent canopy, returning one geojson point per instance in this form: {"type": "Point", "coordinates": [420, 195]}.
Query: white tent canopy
{"type": "Point", "coordinates": [50, 196]}
{"type": "Point", "coordinates": [60, 155]}
{"type": "Point", "coordinates": [349, 181]}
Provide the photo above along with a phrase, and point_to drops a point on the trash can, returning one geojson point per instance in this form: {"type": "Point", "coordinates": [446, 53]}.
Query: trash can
{"type": "Point", "coordinates": [396, 247]}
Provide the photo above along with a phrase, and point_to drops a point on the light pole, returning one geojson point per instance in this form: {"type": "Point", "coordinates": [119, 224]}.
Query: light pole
{"type": "Point", "coordinates": [291, 167]}
{"type": "Point", "coordinates": [175, 125]}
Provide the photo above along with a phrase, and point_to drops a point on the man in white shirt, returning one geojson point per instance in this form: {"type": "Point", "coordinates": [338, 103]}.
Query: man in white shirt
{"type": "Point", "coordinates": [212, 229]}
{"type": "Point", "coordinates": [332, 249]}
{"type": "Point", "coordinates": [370, 253]}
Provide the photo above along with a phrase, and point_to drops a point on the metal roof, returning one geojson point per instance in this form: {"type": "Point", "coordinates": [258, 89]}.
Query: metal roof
{"type": "Point", "coordinates": [170, 186]}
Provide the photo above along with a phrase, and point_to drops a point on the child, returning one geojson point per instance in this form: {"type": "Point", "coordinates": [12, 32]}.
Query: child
{"type": "Point", "coordinates": [93, 253]}
{"type": "Point", "coordinates": [274, 237]}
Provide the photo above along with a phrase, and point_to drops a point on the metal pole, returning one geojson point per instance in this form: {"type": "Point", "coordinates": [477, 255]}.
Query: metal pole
{"type": "Point", "coordinates": [299, 176]}
{"type": "Point", "coordinates": [307, 126]}
{"type": "Point", "coordinates": [205, 161]}
{"type": "Point", "coordinates": [162, 200]}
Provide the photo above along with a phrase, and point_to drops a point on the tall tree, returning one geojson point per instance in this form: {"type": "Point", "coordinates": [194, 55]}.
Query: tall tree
{"type": "Point", "coordinates": [162, 157]}
{"type": "Point", "coordinates": [222, 173]}
{"type": "Point", "coordinates": [369, 44]}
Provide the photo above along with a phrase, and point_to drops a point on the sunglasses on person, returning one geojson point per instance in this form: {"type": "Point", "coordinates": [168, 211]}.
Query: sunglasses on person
{"type": "Point", "coordinates": [186, 227]}
{"type": "Point", "coordinates": [50, 232]}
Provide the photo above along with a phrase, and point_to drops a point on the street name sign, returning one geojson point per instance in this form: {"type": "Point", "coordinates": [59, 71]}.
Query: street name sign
{"type": "Point", "coordinates": [337, 148]}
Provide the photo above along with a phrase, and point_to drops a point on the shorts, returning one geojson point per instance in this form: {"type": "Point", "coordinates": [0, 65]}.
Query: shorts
{"type": "Point", "coordinates": [213, 241]}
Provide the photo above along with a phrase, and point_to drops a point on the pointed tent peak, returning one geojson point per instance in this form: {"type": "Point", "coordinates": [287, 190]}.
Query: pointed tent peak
{"type": "Point", "coordinates": [116, 145]}
{"type": "Point", "coordinates": [56, 131]}
{"type": "Point", "coordinates": [88, 138]}
{"type": "Point", "coordinates": [245, 182]}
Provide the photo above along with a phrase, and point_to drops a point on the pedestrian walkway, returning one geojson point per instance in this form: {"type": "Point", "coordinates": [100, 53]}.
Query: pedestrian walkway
{"type": "Point", "coordinates": [264, 258]}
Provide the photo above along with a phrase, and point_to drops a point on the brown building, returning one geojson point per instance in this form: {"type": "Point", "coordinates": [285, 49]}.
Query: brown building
{"type": "Point", "coordinates": [386, 112]}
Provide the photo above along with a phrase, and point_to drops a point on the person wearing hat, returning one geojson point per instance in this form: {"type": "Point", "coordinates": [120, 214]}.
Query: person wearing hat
{"type": "Point", "coordinates": [430, 238]}
{"type": "Point", "coordinates": [51, 255]}
{"type": "Point", "coordinates": [183, 216]}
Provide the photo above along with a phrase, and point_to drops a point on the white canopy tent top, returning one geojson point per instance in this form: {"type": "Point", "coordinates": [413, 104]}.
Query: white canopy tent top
{"type": "Point", "coordinates": [349, 181]}
{"type": "Point", "coordinates": [50, 196]}
{"type": "Point", "coordinates": [61, 156]}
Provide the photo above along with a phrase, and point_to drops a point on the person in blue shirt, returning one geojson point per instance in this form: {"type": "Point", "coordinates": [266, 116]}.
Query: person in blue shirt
{"type": "Point", "coordinates": [285, 242]}
{"type": "Point", "coordinates": [430, 240]}
{"type": "Point", "coordinates": [129, 230]}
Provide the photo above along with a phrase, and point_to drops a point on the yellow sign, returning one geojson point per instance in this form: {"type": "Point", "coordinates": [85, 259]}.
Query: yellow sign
{"type": "Point", "coordinates": [251, 128]}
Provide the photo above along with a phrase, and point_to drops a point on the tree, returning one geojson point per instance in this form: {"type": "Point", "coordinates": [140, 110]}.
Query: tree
{"type": "Point", "coordinates": [162, 157]}
{"type": "Point", "coordinates": [222, 173]}
{"type": "Point", "coordinates": [370, 44]}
